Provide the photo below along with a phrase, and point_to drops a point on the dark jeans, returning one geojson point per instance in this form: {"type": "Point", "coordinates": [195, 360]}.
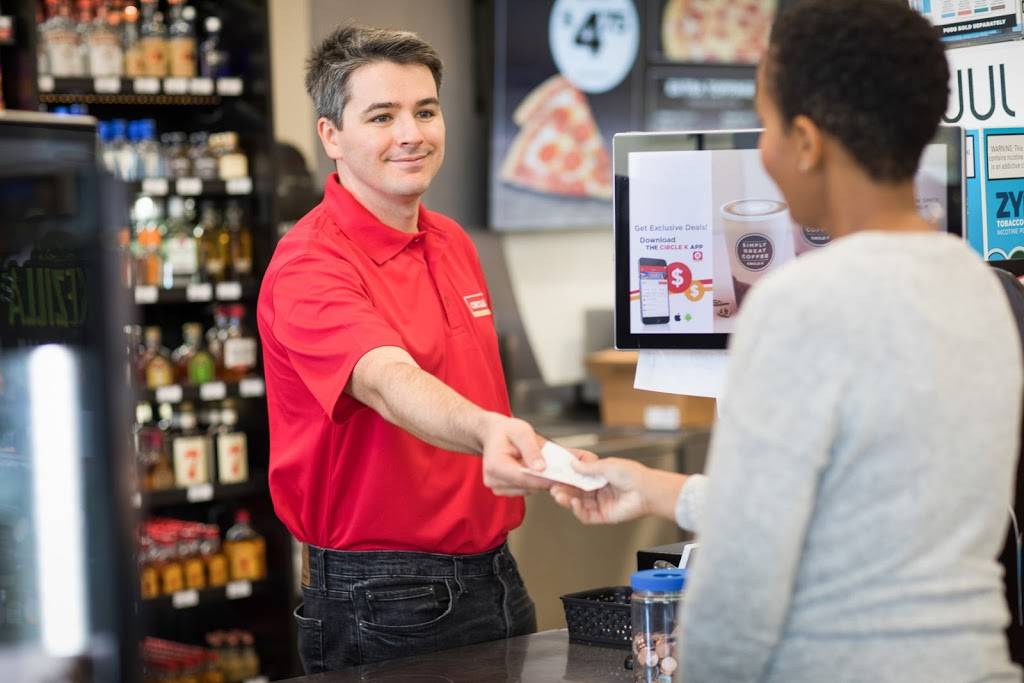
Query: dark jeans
{"type": "Point", "coordinates": [363, 607]}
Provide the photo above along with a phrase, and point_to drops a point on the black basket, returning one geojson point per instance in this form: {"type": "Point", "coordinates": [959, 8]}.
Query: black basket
{"type": "Point", "coordinates": [600, 616]}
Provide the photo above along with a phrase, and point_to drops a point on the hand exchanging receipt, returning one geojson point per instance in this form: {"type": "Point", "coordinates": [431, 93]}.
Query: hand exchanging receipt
{"type": "Point", "coordinates": [633, 491]}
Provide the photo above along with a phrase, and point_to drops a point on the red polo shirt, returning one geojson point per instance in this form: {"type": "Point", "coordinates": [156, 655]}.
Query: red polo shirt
{"type": "Point", "coordinates": [340, 284]}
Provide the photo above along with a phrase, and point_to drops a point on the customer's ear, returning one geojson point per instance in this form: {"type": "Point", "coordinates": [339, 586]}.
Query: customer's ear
{"type": "Point", "coordinates": [809, 142]}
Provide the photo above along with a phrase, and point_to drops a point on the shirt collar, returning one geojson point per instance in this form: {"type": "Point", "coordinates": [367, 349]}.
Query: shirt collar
{"type": "Point", "coordinates": [380, 242]}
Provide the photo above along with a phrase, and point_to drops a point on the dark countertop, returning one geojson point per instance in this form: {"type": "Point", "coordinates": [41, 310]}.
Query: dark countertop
{"type": "Point", "coordinates": [545, 656]}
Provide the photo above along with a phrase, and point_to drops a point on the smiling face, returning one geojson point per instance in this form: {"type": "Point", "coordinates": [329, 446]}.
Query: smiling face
{"type": "Point", "coordinates": [391, 141]}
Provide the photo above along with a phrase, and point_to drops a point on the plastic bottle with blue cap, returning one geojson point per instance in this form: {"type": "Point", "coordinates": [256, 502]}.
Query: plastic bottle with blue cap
{"type": "Point", "coordinates": [657, 596]}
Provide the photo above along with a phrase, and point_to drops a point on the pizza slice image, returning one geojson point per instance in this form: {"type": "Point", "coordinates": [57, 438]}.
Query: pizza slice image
{"type": "Point", "coordinates": [559, 149]}
{"type": "Point", "coordinates": [717, 31]}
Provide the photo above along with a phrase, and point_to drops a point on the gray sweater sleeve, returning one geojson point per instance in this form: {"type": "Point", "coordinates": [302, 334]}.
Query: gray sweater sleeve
{"type": "Point", "coordinates": [777, 421]}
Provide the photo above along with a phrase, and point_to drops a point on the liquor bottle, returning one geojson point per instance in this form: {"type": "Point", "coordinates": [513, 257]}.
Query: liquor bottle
{"type": "Point", "coordinates": [181, 44]}
{"type": "Point", "coordinates": [240, 240]}
{"type": "Point", "coordinates": [156, 361]}
{"type": "Point", "coordinates": [134, 55]}
{"type": "Point", "coordinates": [231, 161]}
{"type": "Point", "coordinates": [204, 164]}
{"type": "Point", "coordinates": [217, 335]}
{"type": "Point", "coordinates": [240, 355]}
{"type": "Point", "coordinates": [157, 474]}
{"type": "Point", "coordinates": [175, 151]}
{"type": "Point", "coordinates": [232, 447]}
{"type": "Point", "coordinates": [153, 39]}
{"type": "Point", "coordinates": [217, 571]}
{"type": "Point", "coordinates": [181, 251]}
{"type": "Point", "coordinates": [84, 29]}
{"type": "Point", "coordinates": [172, 574]}
{"type": "Point", "coordinates": [246, 549]}
{"type": "Point", "coordinates": [214, 243]}
{"type": "Point", "coordinates": [193, 363]}
{"type": "Point", "coordinates": [189, 543]}
{"type": "Point", "coordinates": [42, 57]}
{"type": "Point", "coordinates": [106, 58]}
{"type": "Point", "coordinates": [151, 161]}
{"type": "Point", "coordinates": [213, 60]}
{"type": "Point", "coordinates": [191, 450]}
{"type": "Point", "coordinates": [60, 36]}
{"type": "Point", "coordinates": [249, 659]}
{"type": "Point", "coordinates": [149, 262]}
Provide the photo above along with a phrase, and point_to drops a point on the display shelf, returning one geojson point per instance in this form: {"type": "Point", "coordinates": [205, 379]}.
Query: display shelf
{"type": "Point", "coordinates": [192, 187]}
{"type": "Point", "coordinates": [153, 500]}
{"type": "Point", "coordinates": [200, 292]}
{"type": "Point", "coordinates": [249, 387]}
{"type": "Point", "coordinates": [138, 91]}
{"type": "Point", "coordinates": [187, 599]}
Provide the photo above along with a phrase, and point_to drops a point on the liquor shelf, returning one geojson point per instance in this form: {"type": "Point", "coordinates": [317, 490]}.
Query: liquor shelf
{"type": "Point", "coordinates": [201, 292]}
{"type": "Point", "coordinates": [201, 493]}
{"type": "Point", "coordinates": [186, 599]}
{"type": "Point", "coordinates": [192, 187]}
{"type": "Point", "coordinates": [144, 90]}
{"type": "Point", "coordinates": [249, 387]}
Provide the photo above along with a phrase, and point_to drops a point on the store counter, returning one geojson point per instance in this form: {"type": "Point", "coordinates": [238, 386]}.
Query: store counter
{"type": "Point", "coordinates": [545, 656]}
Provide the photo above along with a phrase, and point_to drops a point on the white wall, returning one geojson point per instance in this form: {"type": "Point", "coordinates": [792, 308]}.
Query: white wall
{"type": "Point", "coordinates": [556, 275]}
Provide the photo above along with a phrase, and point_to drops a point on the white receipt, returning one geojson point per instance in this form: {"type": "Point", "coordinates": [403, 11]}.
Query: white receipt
{"type": "Point", "coordinates": [559, 469]}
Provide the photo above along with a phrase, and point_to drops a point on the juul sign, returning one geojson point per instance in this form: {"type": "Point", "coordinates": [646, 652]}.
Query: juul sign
{"type": "Point", "coordinates": [977, 101]}
{"type": "Point", "coordinates": [986, 86]}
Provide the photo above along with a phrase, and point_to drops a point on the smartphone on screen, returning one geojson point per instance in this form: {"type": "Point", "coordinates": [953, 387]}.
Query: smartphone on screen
{"type": "Point", "coordinates": [653, 291]}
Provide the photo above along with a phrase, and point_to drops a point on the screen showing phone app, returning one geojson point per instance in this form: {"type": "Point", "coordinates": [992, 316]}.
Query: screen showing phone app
{"type": "Point", "coordinates": [653, 293]}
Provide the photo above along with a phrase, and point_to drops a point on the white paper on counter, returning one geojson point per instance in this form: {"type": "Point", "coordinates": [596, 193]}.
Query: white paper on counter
{"type": "Point", "coordinates": [684, 372]}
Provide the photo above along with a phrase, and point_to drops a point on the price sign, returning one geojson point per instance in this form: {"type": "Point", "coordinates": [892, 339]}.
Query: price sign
{"type": "Point", "coordinates": [229, 87]}
{"type": "Point", "coordinates": [111, 85]}
{"type": "Point", "coordinates": [201, 86]}
{"type": "Point", "coordinates": [155, 187]}
{"type": "Point", "coordinates": [199, 291]}
{"type": "Point", "coordinates": [46, 84]}
{"type": "Point", "coordinates": [594, 42]}
{"type": "Point", "coordinates": [184, 599]}
{"type": "Point", "coordinates": [146, 294]}
{"type": "Point", "coordinates": [176, 86]}
{"type": "Point", "coordinates": [251, 387]}
{"type": "Point", "coordinates": [229, 291]}
{"type": "Point", "coordinates": [146, 86]}
{"type": "Point", "coordinates": [239, 186]}
{"type": "Point", "coordinates": [171, 393]}
{"type": "Point", "coordinates": [189, 187]}
{"type": "Point", "coordinates": [199, 493]}
{"type": "Point", "coordinates": [212, 391]}
{"type": "Point", "coordinates": [236, 590]}
{"type": "Point", "coordinates": [137, 500]}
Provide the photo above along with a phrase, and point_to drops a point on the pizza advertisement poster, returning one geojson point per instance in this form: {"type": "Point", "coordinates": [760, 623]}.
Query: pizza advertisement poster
{"type": "Point", "coordinates": [959, 21]}
{"type": "Point", "coordinates": [552, 124]}
{"type": "Point", "coordinates": [712, 31]}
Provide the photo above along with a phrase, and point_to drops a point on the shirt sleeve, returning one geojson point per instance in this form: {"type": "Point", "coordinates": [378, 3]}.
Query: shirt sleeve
{"type": "Point", "coordinates": [325, 319]}
{"type": "Point", "coordinates": [778, 419]}
{"type": "Point", "coordinates": [690, 502]}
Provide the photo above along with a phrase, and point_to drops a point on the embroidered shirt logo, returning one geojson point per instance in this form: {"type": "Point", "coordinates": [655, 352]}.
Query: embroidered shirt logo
{"type": "Point", "coordinates": [477, 305]}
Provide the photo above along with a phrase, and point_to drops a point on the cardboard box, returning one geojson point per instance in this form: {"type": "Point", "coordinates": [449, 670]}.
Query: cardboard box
{"type": "Point", "coordinates": [624, 406]}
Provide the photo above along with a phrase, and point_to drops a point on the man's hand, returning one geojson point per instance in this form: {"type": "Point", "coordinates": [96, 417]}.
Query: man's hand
{"type": "Point", "coordinates": [623, 499]}
{"type": "Point", "coordinates": [508, 444]}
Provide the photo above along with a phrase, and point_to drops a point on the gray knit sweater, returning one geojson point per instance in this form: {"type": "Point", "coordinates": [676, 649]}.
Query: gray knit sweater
{"type": "Point", "coordinates": [860, 474]}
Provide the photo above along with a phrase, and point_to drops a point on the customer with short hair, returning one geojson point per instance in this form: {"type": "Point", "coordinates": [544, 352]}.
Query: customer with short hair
{"type": "Point", "coordinates": [862, 465]}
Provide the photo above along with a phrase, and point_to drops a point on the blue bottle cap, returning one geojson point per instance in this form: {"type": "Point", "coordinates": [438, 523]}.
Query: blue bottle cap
{"type": "Point", "coordinates": [659, 580]}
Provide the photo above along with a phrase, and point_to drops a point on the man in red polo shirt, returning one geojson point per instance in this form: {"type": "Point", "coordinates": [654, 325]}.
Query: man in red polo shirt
{"type": "Point", "coordinates": [393, 456]}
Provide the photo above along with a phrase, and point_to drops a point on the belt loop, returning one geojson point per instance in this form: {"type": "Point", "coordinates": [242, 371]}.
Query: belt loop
{"type": "Point", "coordinates": [313, 572]}
{"type": "Point", "coordinates": [457, 566]}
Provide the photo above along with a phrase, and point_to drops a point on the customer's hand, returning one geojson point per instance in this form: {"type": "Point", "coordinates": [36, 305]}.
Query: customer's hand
{"type": "Point", "coordinates": [621, 500]}
{"type": "Point", "coordinates": [507, 445]}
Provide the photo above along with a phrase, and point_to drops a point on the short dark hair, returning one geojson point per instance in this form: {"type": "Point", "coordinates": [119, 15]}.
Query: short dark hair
{"type": "Point", "coordinates": [871, 73]}
{"type": "Point", "coordinates": [351, 46]}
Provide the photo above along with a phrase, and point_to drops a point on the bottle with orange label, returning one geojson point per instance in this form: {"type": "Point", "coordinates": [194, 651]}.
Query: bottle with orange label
{"type": "Point", "coordinates": [189, 543]}
{"type": "Point", "coordinates": [156, 367]}
{"type": "Point", "coordinates": [246, 549]}
{"type": "Point", "coordinates": [154, 40]}
{"type": "Point", "coordinates": [217, 571]}
{"type": "Point", "coordinates": [191, 450]}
